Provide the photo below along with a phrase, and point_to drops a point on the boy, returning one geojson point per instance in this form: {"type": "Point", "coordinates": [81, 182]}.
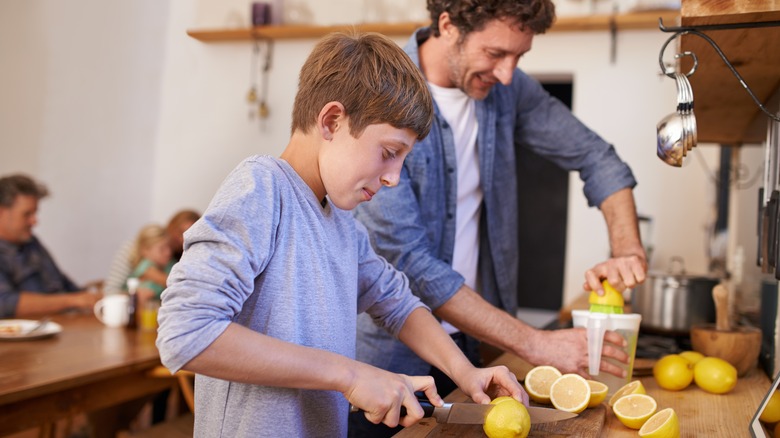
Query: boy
{"type": "Point", "coordinates": [264, 302]}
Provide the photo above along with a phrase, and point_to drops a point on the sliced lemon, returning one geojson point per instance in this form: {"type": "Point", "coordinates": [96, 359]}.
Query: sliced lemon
{"type": "Point", "coordinates": [633, 387]}
{"type": "Point", "coordinates": [508, 419]}
{"type": "Point", "coordinates": [634, 410]}
{"type": "Point", "coordinates": [570, 393]}
{"type": "Point", "coordinates": [663, 424]}
{"type": "Point", "coordinates": [598, 393]}
{"type": "Point", "coordinates": [538, 382]}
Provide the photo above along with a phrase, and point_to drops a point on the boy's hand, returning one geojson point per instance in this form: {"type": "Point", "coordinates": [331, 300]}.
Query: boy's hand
{"type": "Point", "coordinates": [380, 394]}
{"type": "Point", "coordinates": [485, 384]}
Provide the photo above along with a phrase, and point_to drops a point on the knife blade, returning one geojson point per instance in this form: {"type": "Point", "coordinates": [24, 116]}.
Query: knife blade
{"type": "Point", "coordinates": [473, 413]}
{"type": "Point", "coordinates": [548, 415]}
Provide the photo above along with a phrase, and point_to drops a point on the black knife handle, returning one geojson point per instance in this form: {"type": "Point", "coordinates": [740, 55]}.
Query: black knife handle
{"type": "Point", "coordinates": [424, 403]}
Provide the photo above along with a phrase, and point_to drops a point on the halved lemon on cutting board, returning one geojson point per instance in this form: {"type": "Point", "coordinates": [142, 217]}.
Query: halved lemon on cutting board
{"type": "Point", "coordinates": [663, 424]}
{"type": "Point", "coordinates": [634, 410]}
{"type": "Point", "coordinates": [633, 387]}
{"type": "Point", "coordinates": [598, 393]}
{"type": "Point", "coordinates": [570, 393]}
{"type": "Point", "coordinates": [538, 382]}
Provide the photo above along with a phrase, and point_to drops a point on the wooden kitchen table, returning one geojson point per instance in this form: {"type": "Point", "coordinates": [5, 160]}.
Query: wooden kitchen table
{"type": "Point", "coordinates": [88, 367]}
{"type": "Point", "coordinates": [701, 414]}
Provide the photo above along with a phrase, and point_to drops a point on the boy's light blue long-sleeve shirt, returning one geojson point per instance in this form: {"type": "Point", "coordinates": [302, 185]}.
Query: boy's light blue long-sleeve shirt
{"type": "Point", "coordinates": [268, 256]}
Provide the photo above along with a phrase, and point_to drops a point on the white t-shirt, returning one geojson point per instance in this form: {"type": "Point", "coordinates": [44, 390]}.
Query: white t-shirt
{"type": "Point", "coordinates": [459, 110]}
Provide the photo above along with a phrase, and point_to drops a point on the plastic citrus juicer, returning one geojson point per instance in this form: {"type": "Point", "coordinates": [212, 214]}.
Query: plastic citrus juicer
{"type": "Point", "coordinates": [606, 313]}
{"type": "Point", "coordinates": [598, 321]}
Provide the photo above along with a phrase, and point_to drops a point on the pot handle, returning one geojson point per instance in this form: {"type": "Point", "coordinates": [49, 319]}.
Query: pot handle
{"type": "Point", "coordinates": [678, 263]}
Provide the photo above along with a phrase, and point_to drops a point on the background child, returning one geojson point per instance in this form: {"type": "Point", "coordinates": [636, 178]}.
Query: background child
{"type": "Point", "coordinates": [152, 261]}
{"type": "Point", "coordinates": [264, 302]}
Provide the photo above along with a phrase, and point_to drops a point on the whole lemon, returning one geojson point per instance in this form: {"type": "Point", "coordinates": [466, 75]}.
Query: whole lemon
{"type": "Point", "coordinates": [673, 372]}
{"type": "Point", "coordinates": [771, 412]}
{"type": "Point", "coordinates": [693, 356]}
{"type": "Point", "coordinates": [715, 375]}
{"type": "Point", "coordinates": [508, 419]}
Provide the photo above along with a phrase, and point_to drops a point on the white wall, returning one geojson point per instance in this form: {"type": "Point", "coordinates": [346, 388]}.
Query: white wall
{"type": "Point", "coordinates": [80, 87]}
{"type": "Point", "coordinates": [128, 119]}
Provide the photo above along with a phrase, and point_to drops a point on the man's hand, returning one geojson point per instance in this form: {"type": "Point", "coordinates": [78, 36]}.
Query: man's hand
{"type": "Point", "coordinates": [567, 350]}
{"type": "Point", "coordinates": [620, 272]}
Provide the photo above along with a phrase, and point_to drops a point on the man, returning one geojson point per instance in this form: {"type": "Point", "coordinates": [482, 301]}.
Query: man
{"type": "Point", "coordinates": [30, 281]}
{"type": "Point", "coordinates": [450, 225]}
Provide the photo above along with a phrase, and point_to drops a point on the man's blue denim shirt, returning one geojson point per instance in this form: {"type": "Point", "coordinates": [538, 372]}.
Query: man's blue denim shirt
{"type": "Point", "coordinates": [28, 267]}
{"type": "Point", "coordinates": [413, 225]}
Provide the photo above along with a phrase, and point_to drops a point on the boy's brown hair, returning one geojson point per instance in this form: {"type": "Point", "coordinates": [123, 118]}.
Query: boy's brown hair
{"type": "Point", "coordinates": [472, 15]}
{"type": "Point", "coordinates": [371, 76]}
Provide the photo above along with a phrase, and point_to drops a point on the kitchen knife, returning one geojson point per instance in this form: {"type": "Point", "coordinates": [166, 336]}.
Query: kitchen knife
{"type": "Point", "coordinates": [473, 413]}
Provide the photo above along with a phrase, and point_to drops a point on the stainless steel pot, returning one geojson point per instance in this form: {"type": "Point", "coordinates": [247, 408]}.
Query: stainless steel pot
{"type": "Point", "coordinates": [673, 301]}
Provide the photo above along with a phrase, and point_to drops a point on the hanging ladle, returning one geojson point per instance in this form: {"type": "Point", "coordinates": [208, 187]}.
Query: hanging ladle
{"type": "Point", "coordinates": [671, 133]}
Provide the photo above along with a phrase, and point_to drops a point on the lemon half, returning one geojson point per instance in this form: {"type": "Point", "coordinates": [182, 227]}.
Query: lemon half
{"type": "Point", "coordinates": [570, 393]}
{"type": "Point", "coordinates": [633, 387]}
{"type": "Point", "coordinates": [611, 302]}
{"type": "Point", "coordinates": [663, 424]}
{"type": "Point", "coordinates": [598, 393]}
{"type": "Point", "coordinates": [538, 382]}
{"type": "Point", "coordinates": [634, 410]}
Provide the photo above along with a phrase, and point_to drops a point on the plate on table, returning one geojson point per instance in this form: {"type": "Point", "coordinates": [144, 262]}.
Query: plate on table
{"type": "Point", "coordinates": [20, 329]}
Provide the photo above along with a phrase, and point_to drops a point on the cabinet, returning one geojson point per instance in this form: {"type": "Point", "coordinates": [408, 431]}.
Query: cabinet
{"type": "Point", "coordinates": [725, 113]}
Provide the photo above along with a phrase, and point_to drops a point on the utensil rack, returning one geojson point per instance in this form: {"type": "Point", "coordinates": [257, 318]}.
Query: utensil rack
{"type": "Point", "coordinates": [698, 31]}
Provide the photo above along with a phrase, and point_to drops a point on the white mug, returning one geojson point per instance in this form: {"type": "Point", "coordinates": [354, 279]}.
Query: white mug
{"type": "Point", "coordinates": [112, 310]}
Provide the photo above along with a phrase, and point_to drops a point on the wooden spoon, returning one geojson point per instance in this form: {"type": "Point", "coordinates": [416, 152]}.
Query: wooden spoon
{"type": "Point", "coordinates": [721, 297]}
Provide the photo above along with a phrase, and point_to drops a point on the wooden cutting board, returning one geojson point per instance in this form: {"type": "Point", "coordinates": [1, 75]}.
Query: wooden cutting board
{"type": "Point", "coordinates": [587, 425]}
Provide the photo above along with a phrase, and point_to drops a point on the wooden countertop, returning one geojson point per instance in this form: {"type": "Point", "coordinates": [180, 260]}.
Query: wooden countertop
{"type": "Point", "coordinates": [701, 414]}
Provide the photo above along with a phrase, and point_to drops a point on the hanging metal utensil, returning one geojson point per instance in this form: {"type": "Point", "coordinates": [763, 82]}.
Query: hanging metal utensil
{"type": "Point", "coordinates": [263, 110]}
{"type": "Point", "coordinates": [251, 95]}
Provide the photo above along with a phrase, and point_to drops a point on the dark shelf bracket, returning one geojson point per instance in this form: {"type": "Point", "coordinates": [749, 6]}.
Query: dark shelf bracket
{"type": "Point", "coordinates": [724, 26]}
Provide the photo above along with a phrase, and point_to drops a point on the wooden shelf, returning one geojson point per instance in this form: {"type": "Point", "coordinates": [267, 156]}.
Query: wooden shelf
{"type": "Point", "coordinates": [725, 113]}
{"type": "Point", "coordinates": [641, 20]}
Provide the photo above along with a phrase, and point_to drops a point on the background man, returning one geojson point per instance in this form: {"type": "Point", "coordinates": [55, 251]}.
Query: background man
{"type": "Point", "coordinates": [30, 281]}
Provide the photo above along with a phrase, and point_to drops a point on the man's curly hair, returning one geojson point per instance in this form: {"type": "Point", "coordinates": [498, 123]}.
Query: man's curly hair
{"type": "Point", "coordinates": [472, 15]}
